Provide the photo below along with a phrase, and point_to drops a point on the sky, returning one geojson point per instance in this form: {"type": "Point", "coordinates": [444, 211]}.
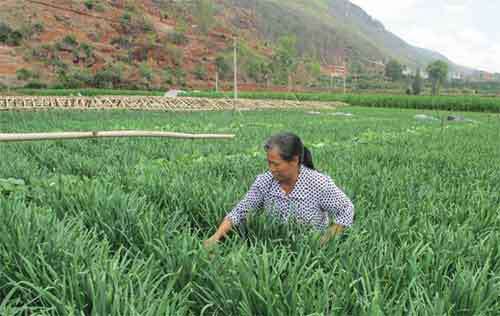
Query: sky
{"type": "Point", "coordinates": [465, 31]}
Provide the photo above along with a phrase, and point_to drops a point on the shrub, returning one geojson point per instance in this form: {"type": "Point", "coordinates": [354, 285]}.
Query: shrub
{"type": "Point", "coordinates": [180, 76]}
{"type": "Point", "coordinates": [200, 72]}
{"type": "Point", "coordinates": [122, 42]}
{"type": "Point", "coordinates": [24, 74]}
{"type": "Point", "coordinates": [145, 71]}
{"type": "Point", "coordinates": [89, 4]}
{"type": "Point", "coordinates": [177, 38]}
{"type": "Point", "coordinates": [87, 49]}
{"type": "Point", "coordinates": [76, 78]}
{"type": "Point", "coordinates": [57, 64]}
{"type": "Point", "coordinates": [168, 76]}
{"type": "Point", "coordinates": [176, 54]}
{"type": "Point", "coordinates": [125, 20]}
{"type": "Point", "coordinates": [222, 66]}
{"type": "Point", "coordinates": [38, 27]}
{"type": "Point", "coordinates": [5, 31]}
{"type": "Point", "coordinates": [10, 36]}
{"type": "Point", "coordinates": [35, 84]}
{"type": "Point", "coordinates": [134, 23]}
{"type": "Point", "coordinates": [28, 30]}
{"type": "Point", "coordinates": [110, 76]}
{"type": "Point", "coordinates": [70, 40]}
{"type": "Point", "coordinates": [99, 7]}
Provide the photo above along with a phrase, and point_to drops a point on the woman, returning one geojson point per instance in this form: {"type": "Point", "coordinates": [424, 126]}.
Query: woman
{"type": "Point", "coordinates": [292, 188]}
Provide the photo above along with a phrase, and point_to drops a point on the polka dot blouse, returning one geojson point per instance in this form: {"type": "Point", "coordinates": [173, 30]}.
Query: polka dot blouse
{"type": "Point", "coordinates": [314, 199]}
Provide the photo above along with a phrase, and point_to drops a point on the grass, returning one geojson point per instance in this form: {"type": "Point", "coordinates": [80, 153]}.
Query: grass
{"type": "Point", "coordinates": [86, 92]}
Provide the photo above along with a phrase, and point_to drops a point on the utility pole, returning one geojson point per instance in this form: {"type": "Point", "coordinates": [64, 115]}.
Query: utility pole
{"type": "Point", "coordinates": [344, 82]}
{"type": "Point", "coordinates": [345, 58]}
{"type": "Point", "coordinates": [235, 84]}
{"type": "Point", "coordinates": [345, 74]}
{"type": "Point", "coordinates": [217, 80]}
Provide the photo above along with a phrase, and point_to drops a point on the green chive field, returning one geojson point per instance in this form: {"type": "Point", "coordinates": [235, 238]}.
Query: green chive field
{"type": "Point", "coordinates": [443, 103]}
{"type": "Point", "coordinates": [115, 226]}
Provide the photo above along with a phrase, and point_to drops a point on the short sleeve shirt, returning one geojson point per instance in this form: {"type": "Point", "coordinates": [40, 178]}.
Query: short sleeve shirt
{"type": "Point", "coordinates": [315, 200]}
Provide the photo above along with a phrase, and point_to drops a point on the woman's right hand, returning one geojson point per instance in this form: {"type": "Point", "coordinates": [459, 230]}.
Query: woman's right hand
{"type": "Point", "coordinates": [210, 242]}
{"type": "Point", "coordinates": [222, 231]}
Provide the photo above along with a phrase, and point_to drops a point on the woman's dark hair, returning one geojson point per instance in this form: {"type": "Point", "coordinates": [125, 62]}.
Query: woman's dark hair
{"type": "Point", "coordinates": [290, 145]}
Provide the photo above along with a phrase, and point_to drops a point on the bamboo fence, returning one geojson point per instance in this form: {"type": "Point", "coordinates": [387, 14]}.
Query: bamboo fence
{"type": "Point", "coordinates": [151, 103]}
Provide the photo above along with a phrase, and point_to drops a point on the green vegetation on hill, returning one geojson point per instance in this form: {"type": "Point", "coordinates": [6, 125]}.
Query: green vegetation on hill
{"type": "Point", "coordinates": [328, 29]}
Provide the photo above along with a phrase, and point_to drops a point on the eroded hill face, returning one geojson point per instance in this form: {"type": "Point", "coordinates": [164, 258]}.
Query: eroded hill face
{"type": "Point", "coordinates": [145, 41]}
{"type": "Point", "coordinates": [158, 43]}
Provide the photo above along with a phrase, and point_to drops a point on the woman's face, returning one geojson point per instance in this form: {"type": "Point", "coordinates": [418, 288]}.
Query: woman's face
{"type": "Point", "coordinates": [281, 170]}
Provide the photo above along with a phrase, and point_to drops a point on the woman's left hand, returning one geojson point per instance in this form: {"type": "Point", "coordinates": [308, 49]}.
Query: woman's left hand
{"type": "Point", "coordinates": [332, 231]}
{"type": "Point", "coordinates": [325, 239]}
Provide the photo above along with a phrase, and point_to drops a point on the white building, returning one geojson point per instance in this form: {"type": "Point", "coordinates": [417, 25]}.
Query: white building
{"type": "Point", "coordinates": [456, 76]}
{"type": "Point", "coordinates": [408, 71]}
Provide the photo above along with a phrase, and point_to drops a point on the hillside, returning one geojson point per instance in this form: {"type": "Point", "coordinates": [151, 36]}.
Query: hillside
{"type": "Point", "coordinates": [158, 43]}
{"type": "Point", "coordinates": [108, 38]}
{"type": "Point", "coordinates": [332, 28]}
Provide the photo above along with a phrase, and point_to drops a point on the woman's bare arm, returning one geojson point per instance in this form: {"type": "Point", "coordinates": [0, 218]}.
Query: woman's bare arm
{"type": "Point", "coordinates": [222, 231]}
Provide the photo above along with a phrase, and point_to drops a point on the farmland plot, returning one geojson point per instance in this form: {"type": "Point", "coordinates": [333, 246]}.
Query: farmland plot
{"type": "Point", "coordinates": [115, 226]}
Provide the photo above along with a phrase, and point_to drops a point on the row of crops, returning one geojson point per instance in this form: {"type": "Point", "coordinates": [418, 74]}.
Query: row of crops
{"type": "Point", "coordinates": [115, 227]}
{"type": "Point", "coordinates": [442, 103]}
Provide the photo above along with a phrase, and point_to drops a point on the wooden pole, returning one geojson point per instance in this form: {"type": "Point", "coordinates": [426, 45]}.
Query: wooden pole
{"type": "Point", "coordinates": [13, 137]}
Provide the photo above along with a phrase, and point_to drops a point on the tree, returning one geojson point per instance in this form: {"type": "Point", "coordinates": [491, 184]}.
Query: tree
{"type": "Point", "coordinates": [70, 40]}
{"type": "Point", "coordinates": [417, 83]}
{"type": "Point", "coordinates": [15, 38]}
{"type": "Point", "coordinates": [89, 4]}
{"type": "Point", "coordinates": [284, 61]}
{"type": "Point", "coordinates": [200, 72]}
{"type": "Point", "coordinates": [205, 14]}
{"type": "Point", "coordinates": [308, 71]}
{"type": "Point", "coordinates": [10, 36]}
{"type": "Point", "coordinates": [5, 31]}
{"type": "Point", "coordinates": [254, 67]}
{"type": "Point", "coordinates": [133, 22]}
{"type": "Point", "coordinates": [75, 78]}
{"type": "Point", "coordinates": [24, 74]}
{"type": "Point", "coordinates": [110, 76]}
{"type": "Point", "coordinates": [314, 68]}
{"type": "Point", "coordinates": [88, 50]}
{"type": "Point", "coordinates": [180, 76]}
{"type": "Point", "coordinates": [223, 67]}
{"type": "Point", "coordinates": [437, 71]}
{"type": "Point", "coordinates": [177, 38]}
{"type": "Point", "coordinates": [146, 71]}
{"type": "Point", "coordinates": [394, 70]}
{"type": "Point", "coordinates": [168, 76]}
